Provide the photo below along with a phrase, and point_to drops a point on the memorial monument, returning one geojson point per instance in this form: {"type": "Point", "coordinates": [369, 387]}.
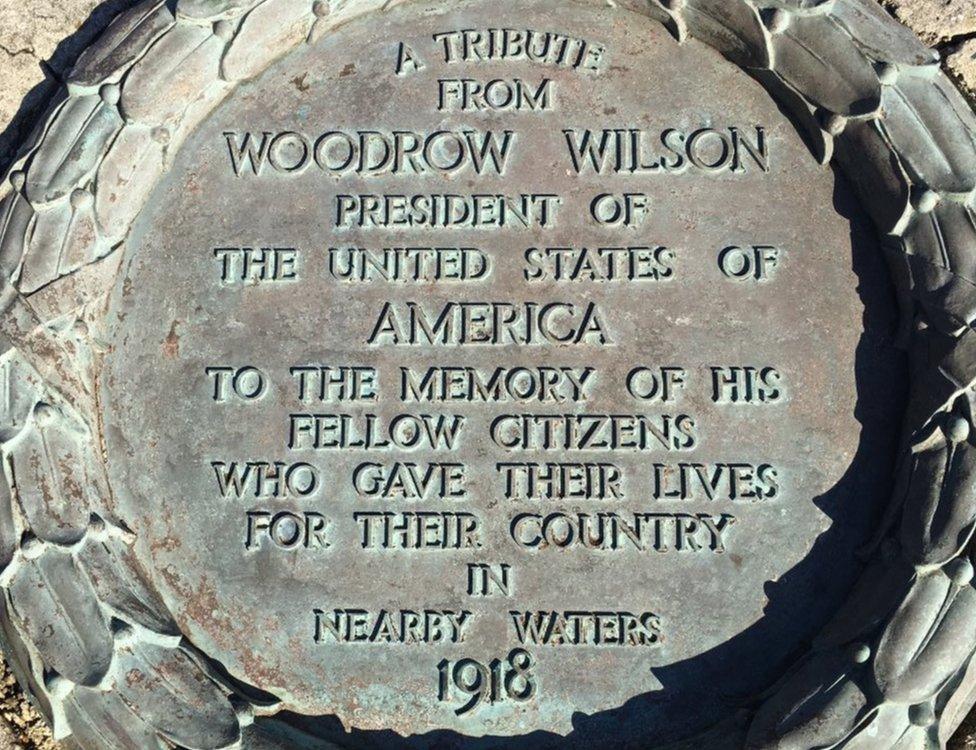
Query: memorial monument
{"type": "Point", "coordinates": [469, 374]}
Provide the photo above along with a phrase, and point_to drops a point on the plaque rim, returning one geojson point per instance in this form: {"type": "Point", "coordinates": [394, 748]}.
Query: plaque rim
{"type": "Point", "coordinates": [869, 97]}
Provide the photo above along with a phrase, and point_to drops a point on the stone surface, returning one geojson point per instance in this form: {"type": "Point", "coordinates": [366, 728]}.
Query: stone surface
{"type": "Point", "coordinates": [22, 727]}
{"type": "Point", "coordinates": [39, 42]}
{"type": "Point", "coordinates": [937, 21]}
{"type": "Point", "coordinates": [961, 61]}
{"type": "Point", "coordinates": [172, 337]}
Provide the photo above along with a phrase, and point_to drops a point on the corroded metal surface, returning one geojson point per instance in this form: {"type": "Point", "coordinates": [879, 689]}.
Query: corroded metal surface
{"type": "Point", "coordinates": [148, 601]}
{"type": "Point", "coordinates": [695, 592]}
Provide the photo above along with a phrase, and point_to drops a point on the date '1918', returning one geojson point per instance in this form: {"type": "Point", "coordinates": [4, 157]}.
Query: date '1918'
{"type": "Point", "coordinates": [491, 683]}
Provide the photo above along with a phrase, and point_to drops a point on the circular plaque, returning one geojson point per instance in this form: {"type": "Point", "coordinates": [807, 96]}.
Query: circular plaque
{"type": "Point", "coordinates": [463, 374]}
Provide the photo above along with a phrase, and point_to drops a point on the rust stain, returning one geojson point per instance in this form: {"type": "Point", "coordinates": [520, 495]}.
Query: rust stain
{"type": "Point", "coordinates": [135, 678]}
{"type": "Point", "coordinates": [171, 345]}
{"type": "Point", "coordinates": [166, 544]}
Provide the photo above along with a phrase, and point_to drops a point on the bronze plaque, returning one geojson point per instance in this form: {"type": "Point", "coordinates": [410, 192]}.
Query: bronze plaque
{"type": "Point", "coordinates": [496, 379]}
{"type": "Point", "coordinates": [480, 371]}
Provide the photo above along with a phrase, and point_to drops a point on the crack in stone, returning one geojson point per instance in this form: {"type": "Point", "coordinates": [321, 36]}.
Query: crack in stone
{"type": "Point", "coordinates": [949, 44]}
{"type": "Point", "coordinates": [16, 52]}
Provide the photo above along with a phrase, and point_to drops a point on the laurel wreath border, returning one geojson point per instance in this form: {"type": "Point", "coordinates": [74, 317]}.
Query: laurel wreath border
{"type": "Point", "coordinates": [95, 647]}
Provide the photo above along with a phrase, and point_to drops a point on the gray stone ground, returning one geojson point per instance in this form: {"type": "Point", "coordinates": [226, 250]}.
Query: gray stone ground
{"type": "Point", "coordinates": [39, 41]}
